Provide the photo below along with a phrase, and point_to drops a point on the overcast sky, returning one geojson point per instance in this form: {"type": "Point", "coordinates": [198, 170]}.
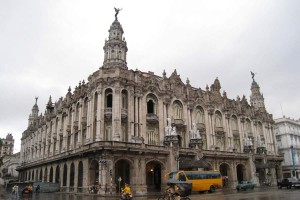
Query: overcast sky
{"type": "Point", "coordinates": [47, 46]}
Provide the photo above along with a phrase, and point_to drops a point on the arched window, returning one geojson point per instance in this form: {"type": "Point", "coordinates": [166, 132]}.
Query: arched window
{"type": "Point", "coordinates": [248, 127]}
{"type": "Point", "coordinates": [108, 98]}
{"type": "Point", "coordinates": [72, 173]}
{"type": "Point", "coordinates": [77, 112]}
{"type": "Point", "coordinates": [85, 107]}
{"type": "Point", "coordinates": [177, 110]}
{"type": "Point", "coordinates": [124, 99]}
{"type": "Point", "coordinates": [234, 123]}
{"type": "Point", "coordinates": [218, 119]}
{"type": "Point", "coordinates": [80, 175]}
{"type": "Point", "coordinates": [151, 104]}
{"type": "Point", "coordinates": [200, 115]}
{"type": "Point", "coordinates": [65, 175]}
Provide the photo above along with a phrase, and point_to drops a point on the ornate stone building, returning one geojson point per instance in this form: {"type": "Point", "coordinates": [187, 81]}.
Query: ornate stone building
{"type": "Point", "coordinates": [7, 145]}
{"type": "Point", "coordinates": [287, 133]}
{"type": "Point", "coordinates": [132, 126]}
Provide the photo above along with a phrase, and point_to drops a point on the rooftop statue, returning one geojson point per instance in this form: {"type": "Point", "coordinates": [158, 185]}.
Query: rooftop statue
{"type": "Point", "coordinates": [117, 10]}
{"type": "Point", "coordinates": [252, 74]}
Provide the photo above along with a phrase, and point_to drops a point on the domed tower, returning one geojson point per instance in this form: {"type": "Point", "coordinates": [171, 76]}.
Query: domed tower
{"type": "Point", "coordinates": [34, 113]}
{"type": "Point", "coordinates": [256, 98]}
{"type": "Point", "coordinates": [115, 47]}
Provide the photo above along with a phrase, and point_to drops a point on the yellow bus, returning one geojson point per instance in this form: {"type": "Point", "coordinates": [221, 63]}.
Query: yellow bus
{"type": "Point", "coordinates": [201, 180]}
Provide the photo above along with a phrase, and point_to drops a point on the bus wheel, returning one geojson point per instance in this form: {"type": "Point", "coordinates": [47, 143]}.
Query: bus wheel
{"type": "Point", "coordinates": [212, 189]}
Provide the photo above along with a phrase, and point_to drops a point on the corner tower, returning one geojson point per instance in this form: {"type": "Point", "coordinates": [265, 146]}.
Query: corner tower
{"type": "Point", "coordinates": [115, 47]}
{"type": "Point", "coordinates": [34, 113]}
{"type": "Point", "coordinates": [256, 98]}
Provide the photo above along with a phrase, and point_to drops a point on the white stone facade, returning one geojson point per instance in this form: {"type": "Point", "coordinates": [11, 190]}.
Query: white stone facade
{"type": "Point", "coordinates": [139, 126]}
{"type": "Point", "coordinates": [7, 145]}
{"type": "Point", "coordinates": [287, 133]}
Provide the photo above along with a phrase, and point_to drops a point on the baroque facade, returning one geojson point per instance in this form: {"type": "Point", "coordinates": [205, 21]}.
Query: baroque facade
{"type": "Point", "coordinates": [7, 145]}
{"type": "Point", "coordinates": [287, 133]}
{"type": "Point", "coordinates": [126, 125]}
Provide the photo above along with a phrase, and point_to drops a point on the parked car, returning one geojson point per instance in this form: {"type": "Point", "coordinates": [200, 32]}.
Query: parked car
{"type": "Point", "coordinates": [244, 185]}
{"type": "Point", "coordinates": [288, 183]}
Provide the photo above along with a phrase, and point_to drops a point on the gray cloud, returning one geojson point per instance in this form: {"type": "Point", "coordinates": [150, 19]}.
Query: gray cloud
{"type": "Point", "coordinates": [47, 46]}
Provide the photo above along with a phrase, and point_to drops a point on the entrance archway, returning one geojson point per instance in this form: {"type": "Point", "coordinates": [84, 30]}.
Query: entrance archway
{"type": "Point", "coordinates": [80, 175]}
{"type": "Point", "coordinates": [57, 174]}
{"type": "Point", "coordinates": [72, 173]}
{"type": "Point", "coordinates": [241, 172]}
{"type": "Point", "coordinates": [65, 175]}
{"type": "Point", "coordinates": [51, 175]}
{"type": "Point", "coordinates": [122, 169]}
{"type": "Point", "coordinates": [94, 172]}
{"type": "Point", "coordinates": [153, 176]}
{"type": "Point", "coordinates": [225, 173]}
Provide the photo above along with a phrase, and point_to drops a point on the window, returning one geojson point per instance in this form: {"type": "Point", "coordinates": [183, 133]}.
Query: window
{"type": "Point", "coordinates": [177, 109]}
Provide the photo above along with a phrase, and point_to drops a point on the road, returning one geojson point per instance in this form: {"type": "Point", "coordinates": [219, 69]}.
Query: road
{"type": "Point", "coordinates": [268, 193]}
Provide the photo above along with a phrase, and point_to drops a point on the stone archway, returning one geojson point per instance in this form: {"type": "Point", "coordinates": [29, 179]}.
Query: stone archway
{"type": "Point", "coordinates": [94, 172]}
{"type": "Point", "coordinates": [241, 172]}
{"type": "Point", "coordinates": [57, 179]}
{"type": "Point", "coordinates": [122, 170]}
{"type": "Point", "coordinates": [51, 175]}
{"type": "Point", "coordinates": [153, 176]}
{"type": "Point", "coordinates": [65, 175]}
{"type": "Point", "coordinates": [226, 175]}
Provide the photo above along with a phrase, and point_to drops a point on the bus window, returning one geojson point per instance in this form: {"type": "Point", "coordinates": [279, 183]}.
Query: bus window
{"type": "Point", "coordinates": [181, 177]}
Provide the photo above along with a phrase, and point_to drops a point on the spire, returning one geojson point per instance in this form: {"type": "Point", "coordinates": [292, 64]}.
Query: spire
{"type": "Point", "coordinates": [34, 113]}
{"type": "Point", "coordinates": [115, 47]}
{"type": "Point", "coordinates": [256, 98]}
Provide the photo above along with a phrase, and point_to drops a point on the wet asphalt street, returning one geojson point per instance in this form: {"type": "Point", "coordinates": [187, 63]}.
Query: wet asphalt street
{"type": "Point", "coordinates": [268, 193]}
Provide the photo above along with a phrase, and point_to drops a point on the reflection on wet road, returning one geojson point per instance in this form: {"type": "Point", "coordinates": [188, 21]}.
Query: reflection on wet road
{"type": "Point", "coordinates": [256, 194]}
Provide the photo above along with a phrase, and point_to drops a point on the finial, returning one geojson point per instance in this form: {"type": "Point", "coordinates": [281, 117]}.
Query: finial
{"type": "Point", "coordinates": [187, 81]}
{"type": "Point", "coordinates": [36, 98]}
{"type": "Point", "coordinates": [79, 83]}
{"type": "Point", "coordinates": [164, 73]}
{"type": "Point", "coordinates": [117, 10]}
{"type": "Point", "coordinates": [83, 82]}
{"type": "Point", "coordinates": [69, 90]}
{"type": "Point", "coordinates": [252, 74]}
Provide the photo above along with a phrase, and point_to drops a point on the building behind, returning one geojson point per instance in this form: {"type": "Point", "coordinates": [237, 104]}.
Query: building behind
{"type": "Point", "coordinates": [138, 126]}
{"type": "Point", "coordinates": [287, 133]}
{"type": "Point", "coordinates": [7, 145]}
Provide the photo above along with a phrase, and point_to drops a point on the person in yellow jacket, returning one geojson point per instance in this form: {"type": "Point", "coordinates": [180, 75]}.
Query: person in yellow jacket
{"type": "Point", "coordinates": [126, 192]}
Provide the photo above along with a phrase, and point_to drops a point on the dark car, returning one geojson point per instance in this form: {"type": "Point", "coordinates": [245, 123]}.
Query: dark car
{"type": "Point", "coordinates": [244, 185]}
{"type": "Point", "coordinates": [288, 183]}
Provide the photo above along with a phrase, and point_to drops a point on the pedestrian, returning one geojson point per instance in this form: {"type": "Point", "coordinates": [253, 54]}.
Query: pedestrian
{"type": "Point", "coordinates": [16, 190]}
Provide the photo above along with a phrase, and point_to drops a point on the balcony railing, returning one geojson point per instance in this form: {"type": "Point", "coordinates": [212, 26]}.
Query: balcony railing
{"type": "Point", "coordinates": [124, 113]}
{"type": "Point", "coordinates": [201, 127]}
{"type": "Point", "coordinates": [179, 122]}
{"type": "Point", "coordinates": [152, 118]}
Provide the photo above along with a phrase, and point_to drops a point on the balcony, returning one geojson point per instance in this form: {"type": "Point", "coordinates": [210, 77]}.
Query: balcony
{"type": "Point", "coordinates": [68, 128]}
{"type": "Point", "coordinates": [84, 121]}
{"type": "Point", "coordinates": [60, 132]}
{"type": "Point", "coordinates": [152, 118]}
{"type": "Point", "coordinates": [235, 133]}
{"type": "Point", "coordinates": [124, 113]}
{"type": "Point", "coordinates": [108, 113]}
{"type": "Point", "coordinates": [201, 127]}
{"type": "Point", "coordinates": [178, 122]}
{"type": "Point", "coordinates": [75, 125]}
{"type": "Point", "coordinates": [219, 130]}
